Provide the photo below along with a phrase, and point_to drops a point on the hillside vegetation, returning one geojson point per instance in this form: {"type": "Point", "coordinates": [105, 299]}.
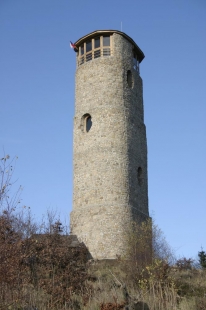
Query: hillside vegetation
{"type": "Point", "coordinates": [41, 268]}
{"type": "Point", "coordinates": [47, 273]}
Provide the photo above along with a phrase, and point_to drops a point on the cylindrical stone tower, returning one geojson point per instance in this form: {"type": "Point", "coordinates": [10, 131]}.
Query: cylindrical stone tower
{"type": "Point", "coordinates": [110, 149]}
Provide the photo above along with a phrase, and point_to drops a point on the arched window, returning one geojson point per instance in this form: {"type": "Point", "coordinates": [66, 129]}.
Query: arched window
{"type": "Point", "coordinates": [86, 122]}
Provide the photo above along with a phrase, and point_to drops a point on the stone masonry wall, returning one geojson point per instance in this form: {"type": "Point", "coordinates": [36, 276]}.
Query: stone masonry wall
{"type": "Point", "coordinates": [107, 193]}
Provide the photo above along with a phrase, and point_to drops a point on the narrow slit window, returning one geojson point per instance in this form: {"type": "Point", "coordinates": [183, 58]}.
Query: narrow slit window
{"type": "Point", "coordinates": [88, 123]}
{"type": "Point", "coordinates": [129, 79]}
{"type": "Point", "coordinates": [135, 62]}
{"type": "Point", "coordinates": [140, 176]}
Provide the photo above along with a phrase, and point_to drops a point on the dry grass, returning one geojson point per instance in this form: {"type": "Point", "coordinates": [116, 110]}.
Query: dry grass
{"type": "Point", "coordinates": [157, 294]}
{"type": "Point", "coordinates": [44, 273]}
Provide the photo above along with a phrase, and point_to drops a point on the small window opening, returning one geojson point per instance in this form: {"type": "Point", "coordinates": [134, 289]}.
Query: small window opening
{"type": "Point", "coordinates": [86, 122]}
{"type": "Point", "coordinates": [129, 79]}
{"type": "Point", "coordinates": [140, 176]}
{"type": "Point", "coordinates": [135, 62]}
{"type": "Point", "coordinates": [137, 65]}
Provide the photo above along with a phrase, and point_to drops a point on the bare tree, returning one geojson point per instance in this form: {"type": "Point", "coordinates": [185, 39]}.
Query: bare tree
{"type": "Point", "coordinates": [8, 199]}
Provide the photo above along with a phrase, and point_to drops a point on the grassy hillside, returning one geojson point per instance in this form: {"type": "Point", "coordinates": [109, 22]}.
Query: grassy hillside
{"type": "Point", "coordinates": [46, 272]}
{"type": "Point", "coordinates": [42, 268]}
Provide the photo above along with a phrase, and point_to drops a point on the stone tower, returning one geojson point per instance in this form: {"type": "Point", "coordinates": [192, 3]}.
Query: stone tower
{"type": "Point", "coordinates": [110, 150]}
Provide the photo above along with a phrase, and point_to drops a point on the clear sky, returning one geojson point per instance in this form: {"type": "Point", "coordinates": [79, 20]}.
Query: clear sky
{"type": "Point", "coordinates": [37, 70]}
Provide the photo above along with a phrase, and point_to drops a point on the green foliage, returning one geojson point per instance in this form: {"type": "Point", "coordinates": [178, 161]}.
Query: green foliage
{"type": "Point", "coordinates": [202, 258]}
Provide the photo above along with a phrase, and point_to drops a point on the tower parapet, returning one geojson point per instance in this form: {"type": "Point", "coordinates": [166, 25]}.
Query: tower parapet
{"type": "Point", "coordinates": [110, 150]}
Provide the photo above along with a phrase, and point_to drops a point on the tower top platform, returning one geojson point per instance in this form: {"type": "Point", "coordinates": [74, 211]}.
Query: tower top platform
{"type": "Point", "coordinates": [110, 32]}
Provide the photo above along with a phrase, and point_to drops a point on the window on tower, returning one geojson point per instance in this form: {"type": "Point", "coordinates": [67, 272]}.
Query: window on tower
{"type": "Point", "coordinates": [86, 122]}
{"type": "Point", "coordinates": [140, 176]}
{"type": "Point", "coordinates": [97, 50]}
{"type": "Point", "coordinates": [129, 79]}
{"type": "Point", "coordinates": [135, 62]}
{"type": "Point", "coordinates": [97, 42]}
{"type": "Point", "coordinates": [82, 49]}
{"type": "Point", "coordinates": [106, 40]}
{"type": "Point", "coordinates": [88, 50]}
{"type": "Point", "coordinates": [94, 48]}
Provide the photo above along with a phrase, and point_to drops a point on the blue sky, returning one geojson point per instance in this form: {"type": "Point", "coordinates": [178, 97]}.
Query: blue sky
{"type": "Point", "coordinates": [37, 69]}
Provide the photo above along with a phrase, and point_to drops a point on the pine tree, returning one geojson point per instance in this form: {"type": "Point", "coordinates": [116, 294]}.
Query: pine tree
{"type": "Point", "coordinates": [202, 258]}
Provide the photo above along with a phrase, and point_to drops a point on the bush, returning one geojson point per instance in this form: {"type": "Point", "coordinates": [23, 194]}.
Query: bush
{"type": "Point", "coordinates": [45, 262]}
{"type": "Point", "coordinates": [185, 263]}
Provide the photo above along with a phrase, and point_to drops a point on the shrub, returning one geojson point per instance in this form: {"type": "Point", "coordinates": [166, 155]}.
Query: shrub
{"type": "Point", "coordinates": [185, 263]}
